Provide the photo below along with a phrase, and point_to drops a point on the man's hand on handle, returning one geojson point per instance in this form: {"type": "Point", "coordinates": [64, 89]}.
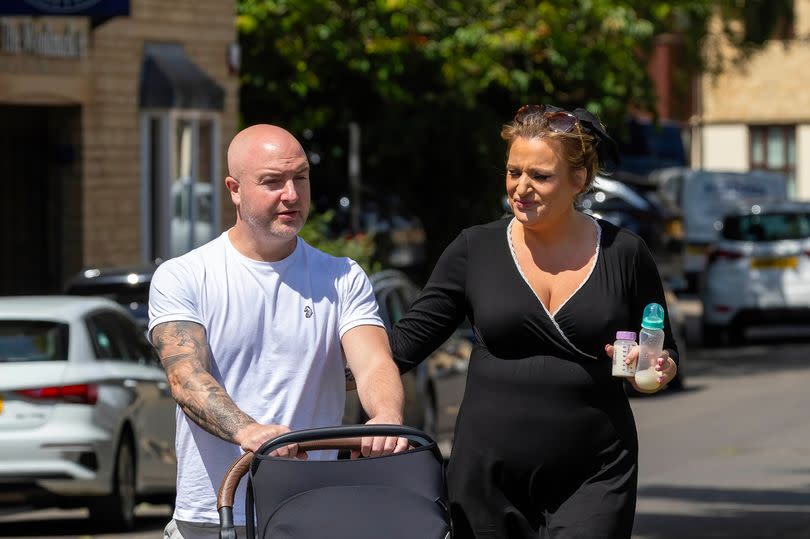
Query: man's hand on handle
{"type": "Point", "coordinates": [252, 436]}
{"type": "Point", "coordinates": [376, 446]}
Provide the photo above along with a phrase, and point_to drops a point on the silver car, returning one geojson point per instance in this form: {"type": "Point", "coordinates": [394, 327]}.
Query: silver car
{"type": "Point", "coordinates": [86, 415]}
{"type": "Point", "coordinates": [758, 273]}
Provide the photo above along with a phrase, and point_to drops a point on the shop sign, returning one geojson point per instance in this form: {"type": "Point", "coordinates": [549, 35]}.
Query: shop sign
{"type": "Point", "coordinates": [90, 8]}
{"type": "Point", "coordinates": [25, 36]}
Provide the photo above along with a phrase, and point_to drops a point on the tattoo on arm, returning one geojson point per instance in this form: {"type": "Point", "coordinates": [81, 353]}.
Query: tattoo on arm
{"type": "Point", "coordinates": [186, 357]}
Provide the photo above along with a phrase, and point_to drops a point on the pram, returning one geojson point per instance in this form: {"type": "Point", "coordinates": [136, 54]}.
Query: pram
{"type": "Point", "coordinates": [401, 495]}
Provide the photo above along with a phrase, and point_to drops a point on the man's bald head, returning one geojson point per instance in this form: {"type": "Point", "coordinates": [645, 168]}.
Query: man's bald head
{"type": "Point", "coordinates": [255, 144]}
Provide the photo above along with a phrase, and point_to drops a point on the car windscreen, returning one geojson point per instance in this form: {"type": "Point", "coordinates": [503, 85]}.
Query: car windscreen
{"type": "Point", "coordinates": [767, 227]}
{"type": "Point", "coordinates": [31, 340]}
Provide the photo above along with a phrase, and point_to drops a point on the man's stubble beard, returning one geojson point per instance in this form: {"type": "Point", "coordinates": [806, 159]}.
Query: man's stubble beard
{"type": "Point", "coordinates": [263, 226]}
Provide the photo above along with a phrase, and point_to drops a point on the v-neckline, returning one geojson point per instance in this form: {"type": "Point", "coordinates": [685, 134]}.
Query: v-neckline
{"type": "Point", "coordinates": [559, 308]}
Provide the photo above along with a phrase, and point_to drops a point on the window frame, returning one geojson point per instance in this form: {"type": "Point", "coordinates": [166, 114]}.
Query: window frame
{"type": "Point", "coordinates": [759, 134]}
{"type": "Point", "coordinates": [118, 325]}
{"type": "Point", "coordinates": [61, 342]}
{"type": "Point", "coordinates": [156, 221]}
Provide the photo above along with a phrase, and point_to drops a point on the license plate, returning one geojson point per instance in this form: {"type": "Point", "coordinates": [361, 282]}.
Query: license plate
{"type": "Point", "coordinates": [788, 262]}
{"type": "Point", "coordinates": [696, 250]}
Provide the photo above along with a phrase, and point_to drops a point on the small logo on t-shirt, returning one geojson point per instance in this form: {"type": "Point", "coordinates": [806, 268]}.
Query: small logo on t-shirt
{"type": "Point", "coordinates": [308, 311]}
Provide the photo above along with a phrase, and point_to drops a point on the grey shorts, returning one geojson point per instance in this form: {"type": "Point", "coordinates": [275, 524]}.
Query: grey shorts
{"type": "Point", "coordinates": [180, 529]}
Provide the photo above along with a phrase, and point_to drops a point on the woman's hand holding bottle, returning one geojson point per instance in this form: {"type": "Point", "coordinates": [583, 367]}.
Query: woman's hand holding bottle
{"type": "Point", "coordinates": [664, 367]}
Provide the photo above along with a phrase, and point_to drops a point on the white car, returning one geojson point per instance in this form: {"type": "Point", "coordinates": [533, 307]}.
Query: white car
{"type": "Point", "coordinates": [758, 273]}
{"type": "Point", "coordinates": [704, 197]}
{"type": "Point", "coordinates": [86, 414]}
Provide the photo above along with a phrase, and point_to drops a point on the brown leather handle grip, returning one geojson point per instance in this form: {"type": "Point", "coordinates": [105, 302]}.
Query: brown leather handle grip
{"type": "Point", "coordinates": [231, 480]}
{"type": "Point", "coordinates": [241, 465]}
{"type": "Point", "coordinates": [336, 443]}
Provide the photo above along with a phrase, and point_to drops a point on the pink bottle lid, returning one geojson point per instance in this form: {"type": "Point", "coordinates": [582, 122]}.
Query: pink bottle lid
{"type": "Point", "coordinates": [625, 335]}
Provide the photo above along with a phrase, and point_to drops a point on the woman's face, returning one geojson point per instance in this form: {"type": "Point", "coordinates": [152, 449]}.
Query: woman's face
{"type": "Point", "coordinates": [540, 184]}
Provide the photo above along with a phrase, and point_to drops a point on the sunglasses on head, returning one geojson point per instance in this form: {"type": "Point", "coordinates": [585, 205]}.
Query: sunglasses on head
{"type": "Point", "coordinates": [558, 120]}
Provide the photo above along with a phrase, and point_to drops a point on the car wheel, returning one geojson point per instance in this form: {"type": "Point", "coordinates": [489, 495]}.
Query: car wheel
{"type": "Point", "coordinates": [430, 422]}
{"type": "Point", "coordinates": [414, 413]}
{"type": "Point", "coordinates": [736, 335]}
{"type": "Point", "coordinates": [117, 511]}
{"type": "Point", "coordinates": [712, 335]}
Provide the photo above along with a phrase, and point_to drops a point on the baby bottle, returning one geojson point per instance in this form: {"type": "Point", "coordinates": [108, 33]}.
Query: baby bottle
{"type": "Point", "coordinates": [625, 341]}
{"type": "Point", "coordinates": [650, 346]}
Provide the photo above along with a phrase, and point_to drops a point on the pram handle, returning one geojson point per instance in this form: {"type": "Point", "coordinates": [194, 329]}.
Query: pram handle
{"type": "Point", "coordinates": [333, 436]}
{"type": "Point", "coordinates": [241, 465]}
{"type": "Point", "coordinates": [343, 437]}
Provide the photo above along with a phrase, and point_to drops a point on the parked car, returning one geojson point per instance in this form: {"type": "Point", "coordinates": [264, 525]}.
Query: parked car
{"type": "Point", "coordinates": [637, 208]}
{"type": "Point", "coordinates": [758, 273]}
{"type": "Point", "coordinates": [678, 320]}
{"type": "Point", "coordinates": [128, 286]}
{"type": "Point", "coordinates": [426, 405]}
{"type": "Point", "coordinates": [704, 197]}
{"type": "Point", "coordinates": [86, 414]}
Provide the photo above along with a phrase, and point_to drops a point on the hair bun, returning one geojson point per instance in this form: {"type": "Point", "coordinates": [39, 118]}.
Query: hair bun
{"type": "Point", "coordinates": [606, 147]}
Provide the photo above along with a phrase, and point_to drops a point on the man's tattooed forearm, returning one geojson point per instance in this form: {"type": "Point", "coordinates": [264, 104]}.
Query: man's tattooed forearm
{"type": "Point", "coordinates": [181, 341]}
{"type": "Point", "coordinates": [208, 405]}
{"type": "Point", "coordinates": [186, 357]}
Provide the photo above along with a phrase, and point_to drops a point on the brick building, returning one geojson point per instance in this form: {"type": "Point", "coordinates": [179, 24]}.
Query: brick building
{"type": "Point", "coordinates": [115, 119]}
{"type": "Point", "coordinates": [757, 115]}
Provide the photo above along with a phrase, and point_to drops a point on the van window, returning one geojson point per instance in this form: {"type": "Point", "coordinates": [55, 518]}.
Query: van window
{"type": "Point", "coordinates": [709, 196]}
{"type": "Point", "coordinates": [767, 227]}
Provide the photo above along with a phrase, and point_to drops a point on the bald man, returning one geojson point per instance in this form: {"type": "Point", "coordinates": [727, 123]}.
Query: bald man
{"type": "Point", "coordinates": [253, 329]}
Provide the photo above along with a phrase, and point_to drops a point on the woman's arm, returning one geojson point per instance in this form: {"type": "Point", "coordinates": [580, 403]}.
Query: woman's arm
{"type": "Point", "coordinates": [437, 312]}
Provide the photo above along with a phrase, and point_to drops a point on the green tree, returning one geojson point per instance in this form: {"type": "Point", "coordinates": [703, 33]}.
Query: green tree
{"type": "Point", "coordinates": [359, 248]}
{"type": "Point", "coordinates": [431, 82]}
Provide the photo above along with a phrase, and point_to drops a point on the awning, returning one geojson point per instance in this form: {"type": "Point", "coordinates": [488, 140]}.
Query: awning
{"type": "Point", "coordinates": [169, 79]}
{"type": "Point", "coordinates": [88, 8]}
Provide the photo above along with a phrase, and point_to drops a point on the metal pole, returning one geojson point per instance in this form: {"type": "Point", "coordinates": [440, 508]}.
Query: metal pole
{"type": "Point", "coordinates": [355, 184]}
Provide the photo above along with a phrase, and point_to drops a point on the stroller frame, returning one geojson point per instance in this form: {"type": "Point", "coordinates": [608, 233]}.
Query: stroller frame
{"type": "Point", "coordinates": [377, 472]}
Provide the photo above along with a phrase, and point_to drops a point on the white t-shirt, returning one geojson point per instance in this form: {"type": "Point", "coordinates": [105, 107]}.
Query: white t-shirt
{"type": "Point", "coordinates": [274, 329]}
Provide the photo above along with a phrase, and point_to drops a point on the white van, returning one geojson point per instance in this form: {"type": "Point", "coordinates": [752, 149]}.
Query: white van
{"type": "Point", "coordinates": [705, 197]}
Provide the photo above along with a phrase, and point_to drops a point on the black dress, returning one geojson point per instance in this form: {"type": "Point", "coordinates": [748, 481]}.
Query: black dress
{"type": "Point", "coordinates": [545, 441]}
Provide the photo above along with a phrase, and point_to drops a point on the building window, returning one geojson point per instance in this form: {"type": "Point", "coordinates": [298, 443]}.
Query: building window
{"type": "Point", "coordinates": [773, 148]}
{"type": "Point", "coordinates": [181, 166]}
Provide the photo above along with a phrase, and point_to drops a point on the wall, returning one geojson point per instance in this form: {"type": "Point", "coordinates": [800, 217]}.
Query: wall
{"type": "Point", "coordinates": [769, 89]}
{"type": "Point", "coordinates": [725, 147]}
{"type": "Point", "coordinates": [111, 120]}
{"type": "Point", "coordinates": [803, 162]}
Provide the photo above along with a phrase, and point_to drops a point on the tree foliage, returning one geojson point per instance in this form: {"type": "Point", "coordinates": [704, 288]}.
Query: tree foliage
{"type": "Point", "coordinates": [360, 247]}
{"type": "Point", "coordinates": [431, 82]}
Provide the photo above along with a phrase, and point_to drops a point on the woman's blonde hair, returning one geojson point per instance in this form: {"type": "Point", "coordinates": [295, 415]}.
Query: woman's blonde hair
{"type": "Point", "coordinates": [578, 145]}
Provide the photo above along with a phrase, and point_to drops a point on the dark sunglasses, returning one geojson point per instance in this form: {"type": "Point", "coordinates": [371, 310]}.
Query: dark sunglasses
{"type": "Point", "coordinates": [560, 121]}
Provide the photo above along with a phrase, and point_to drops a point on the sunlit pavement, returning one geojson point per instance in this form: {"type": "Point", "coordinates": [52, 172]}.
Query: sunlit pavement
{"type": "Point", "coordinates": [730, 455]}
{"type": "Point", "coordinates": [73, 523]}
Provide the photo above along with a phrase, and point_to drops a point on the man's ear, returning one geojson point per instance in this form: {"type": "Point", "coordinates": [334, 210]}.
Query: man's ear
{"type": "Point", "coordinates": [233, 188]}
